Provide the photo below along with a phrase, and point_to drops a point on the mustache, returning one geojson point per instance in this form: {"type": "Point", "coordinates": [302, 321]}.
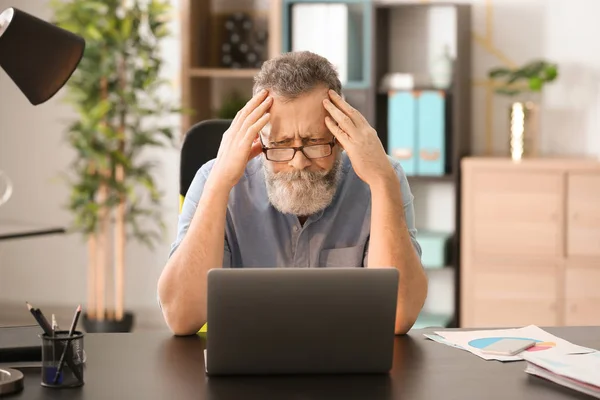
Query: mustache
{"type": "Point", "coordinates": [292, 176]}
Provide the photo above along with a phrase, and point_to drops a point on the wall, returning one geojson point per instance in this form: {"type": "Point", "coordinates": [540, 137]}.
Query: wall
{"type": "Point", "coordinates": [33, 153]}
{"type": "Point", "coordinates": [52, 270]}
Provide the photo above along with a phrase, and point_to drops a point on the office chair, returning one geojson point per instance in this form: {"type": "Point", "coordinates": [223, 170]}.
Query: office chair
{"type": "Point", "coordinates": [200, 145]}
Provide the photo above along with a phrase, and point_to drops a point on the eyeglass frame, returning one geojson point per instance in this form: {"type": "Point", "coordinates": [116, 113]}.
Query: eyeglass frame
{"type": "Point", "coordinates": [297, 149]}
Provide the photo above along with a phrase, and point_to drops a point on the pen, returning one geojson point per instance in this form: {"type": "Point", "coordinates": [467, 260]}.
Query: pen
{"type": "Point", "coordinates": [54, 330]}
{"type": "Point", "coordinates": [71, 332]}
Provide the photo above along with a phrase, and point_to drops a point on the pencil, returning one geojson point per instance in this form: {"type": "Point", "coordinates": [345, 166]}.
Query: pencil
{"type": "Point", "coordinates": [38, 318]}
{"type": "Point", "coordinates": [71, 332]}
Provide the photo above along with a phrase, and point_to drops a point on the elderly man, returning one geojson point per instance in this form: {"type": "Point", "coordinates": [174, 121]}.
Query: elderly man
{"type": "Point", "coordinates": [300, 180]}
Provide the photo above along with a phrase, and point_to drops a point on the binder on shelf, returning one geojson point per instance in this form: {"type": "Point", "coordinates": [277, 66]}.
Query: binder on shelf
{"type": "Point", "coordinates": [316, 26]}
{"type": "Point", "coordinates": [431, 128]}
{"type": "Point", "coordinates": [402, 140]}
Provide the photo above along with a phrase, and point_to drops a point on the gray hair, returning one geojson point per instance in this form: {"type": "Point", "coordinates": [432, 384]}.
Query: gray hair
{"type": "Point", "coordinates": [292, 74]}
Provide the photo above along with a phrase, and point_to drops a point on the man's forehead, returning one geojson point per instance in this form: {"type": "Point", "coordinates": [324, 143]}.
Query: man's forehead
{"type": "Point", "coordinates": [274, 131]}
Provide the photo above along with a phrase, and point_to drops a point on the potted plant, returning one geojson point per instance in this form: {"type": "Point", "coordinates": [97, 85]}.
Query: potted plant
{"type": "Point", "coordinates": [116, 92]}
{"type": "Point", "coordinates": [523, 84]}
{"type": "Point", "coordinates": [232, 103]}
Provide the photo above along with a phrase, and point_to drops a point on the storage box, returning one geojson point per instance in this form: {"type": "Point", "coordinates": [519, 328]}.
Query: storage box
{"type": "Point", "coordinates": [431, 133]}
{"type": "Point", "coordinates": [417, 131]}
{"type": "Point", "coordinates": [402, 143]}
{"type": "Point", "coordinates": [434, 247]}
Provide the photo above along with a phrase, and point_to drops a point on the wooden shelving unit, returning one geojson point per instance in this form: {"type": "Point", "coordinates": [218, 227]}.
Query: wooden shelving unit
{"type": "Point", "coordinates": [204, 81]}
{"type": "Point", "coordinates": [401, 42]}
{"type": "Point", "coordinates": [222, 73]}
{"type": "Point", "coordinates": [395, 37]}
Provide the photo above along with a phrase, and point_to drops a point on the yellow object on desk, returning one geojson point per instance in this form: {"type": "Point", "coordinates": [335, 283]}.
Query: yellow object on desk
{"type": "Point", "coordinates": [204, 329]}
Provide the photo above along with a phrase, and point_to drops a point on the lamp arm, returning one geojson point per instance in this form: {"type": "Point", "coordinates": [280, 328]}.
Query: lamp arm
{"type": "Point", "coordinates": [8, 188]}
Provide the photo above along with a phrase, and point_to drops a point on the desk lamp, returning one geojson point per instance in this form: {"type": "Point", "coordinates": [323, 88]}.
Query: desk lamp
{"type": "Point", "coordinates": [40, 58]}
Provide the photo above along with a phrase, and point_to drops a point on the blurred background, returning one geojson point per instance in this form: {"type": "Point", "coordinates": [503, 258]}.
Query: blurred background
{"type": "Point", "coordinates": [491, 106]}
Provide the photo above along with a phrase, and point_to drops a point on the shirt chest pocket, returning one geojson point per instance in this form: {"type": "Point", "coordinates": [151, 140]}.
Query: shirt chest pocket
{"type": "Point", "coordinates": [346, 257]}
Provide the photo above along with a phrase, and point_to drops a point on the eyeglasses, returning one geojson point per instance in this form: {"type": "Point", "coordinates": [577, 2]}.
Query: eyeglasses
{"type": "Point", "coordinates": [283, 154]}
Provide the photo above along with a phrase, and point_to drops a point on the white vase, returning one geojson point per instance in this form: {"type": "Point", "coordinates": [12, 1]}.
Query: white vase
{"type": "Point", "coordinates": [441, 69]}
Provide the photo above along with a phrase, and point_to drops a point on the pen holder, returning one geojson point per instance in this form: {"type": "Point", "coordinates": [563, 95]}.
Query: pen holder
{"type": "Point", "coordinates": [62, 360]}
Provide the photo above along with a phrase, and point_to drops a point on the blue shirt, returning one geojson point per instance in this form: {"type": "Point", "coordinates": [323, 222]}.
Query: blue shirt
{"type": "Point", "coordinates": [258, 235]}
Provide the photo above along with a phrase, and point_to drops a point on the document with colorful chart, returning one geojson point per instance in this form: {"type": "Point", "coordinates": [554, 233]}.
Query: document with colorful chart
{"type": "Point", "coordinates": [474, 341]}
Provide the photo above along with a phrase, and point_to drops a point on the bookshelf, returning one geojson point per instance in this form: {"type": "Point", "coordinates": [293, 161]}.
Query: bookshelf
{"type": "Point", "coordinates": [404, 37]}
{"type": "Point", "coordinates": [205, 80]}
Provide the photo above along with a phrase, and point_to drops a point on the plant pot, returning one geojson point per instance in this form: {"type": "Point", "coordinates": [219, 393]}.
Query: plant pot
{"type": "Point", "coordinates": [108, 325]}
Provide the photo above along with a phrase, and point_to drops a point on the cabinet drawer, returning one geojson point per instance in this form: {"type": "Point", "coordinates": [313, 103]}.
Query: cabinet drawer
{"type": "Point", "coordinates": [517, 213]}
{"type": "Point", "coordinates": [513, 296]}
{"type": "Point", "coordinates": [514, 313]}
{"type": "Point", "coordinates": [582, 294]}
{"type": "Point", "coordinates": [583, 220]}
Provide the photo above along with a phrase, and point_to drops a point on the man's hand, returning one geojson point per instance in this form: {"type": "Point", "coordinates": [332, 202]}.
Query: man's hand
{"type": "Point", "coordinates": [359, 140]}
{"type": "Point", "coordinates": [239, 144]}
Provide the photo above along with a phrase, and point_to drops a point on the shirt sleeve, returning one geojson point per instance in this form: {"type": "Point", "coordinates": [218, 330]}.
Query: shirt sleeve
{"type": "Point", "coordinates": [409, 213]}
{"type": "Point", "coordinates": [188, 209]}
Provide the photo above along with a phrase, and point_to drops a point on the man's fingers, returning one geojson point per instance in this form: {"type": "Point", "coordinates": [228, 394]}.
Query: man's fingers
{"type": "Point", "coordinates": [254, 102]}
{"type": "Point", "coordinates": [354, 115]}
{"type": "Point", "coordinates": [257, 113]}
{"type": "Point", "coordinates": [255, 150]}
{"type": "Point", "coordinates": [342, 119]}
{"type": "Point", "coordinates": [338, 132]}
{"type": "Point", "coordinates": [254, 129]}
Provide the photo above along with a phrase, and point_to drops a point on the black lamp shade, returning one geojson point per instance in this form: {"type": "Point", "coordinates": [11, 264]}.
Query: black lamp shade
{"type": "Point", "coordinates": [38, 56]}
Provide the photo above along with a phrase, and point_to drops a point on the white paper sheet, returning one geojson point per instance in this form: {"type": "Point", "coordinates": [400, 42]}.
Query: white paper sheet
{"type": "Point", "coordinates": [576, 371]}
{"type": "Point", "coordinates": [439, 339]}
{"type": "Point", "coordinates": [474, 341]}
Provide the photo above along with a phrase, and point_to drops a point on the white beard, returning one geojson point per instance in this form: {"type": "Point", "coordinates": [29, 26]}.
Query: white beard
{"type": "Point", "coordinates": [302, 193]}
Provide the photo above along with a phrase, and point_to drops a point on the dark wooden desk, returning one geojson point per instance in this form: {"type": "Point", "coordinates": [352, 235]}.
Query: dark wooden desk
{"type": "Point", "coordinates": [149, 366]}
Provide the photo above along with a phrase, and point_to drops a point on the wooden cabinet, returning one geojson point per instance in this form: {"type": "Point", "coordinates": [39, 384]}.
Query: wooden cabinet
{"type": "Point", "coordinates": [582, 293]}
{"type": "Point", "coordinates": [514, 292]}
{"type": "Point", "coordinates": [530, 242]}
{"type": "Point", "coordinates": [583, 214]}
{"type": "Point", "coordinates": [516, 214]}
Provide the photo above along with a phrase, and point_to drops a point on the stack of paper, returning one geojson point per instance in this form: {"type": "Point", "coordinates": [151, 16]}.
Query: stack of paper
{"type": "Point", "coordinates": [474, 341]}
{"type": "Point", "coordinates": [552, 358]}
{"type": "Point", "coordinates": [576, 371]}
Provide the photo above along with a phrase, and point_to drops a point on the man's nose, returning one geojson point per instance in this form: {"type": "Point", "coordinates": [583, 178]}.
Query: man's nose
{"type": "Point", "coordinates": [299, 162]}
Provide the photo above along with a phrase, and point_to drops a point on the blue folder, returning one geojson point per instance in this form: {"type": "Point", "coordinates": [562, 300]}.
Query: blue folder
{"type": "Point", "coordinates": [402, 130]}
{"type": "Point", "coordinates": [431, 128]}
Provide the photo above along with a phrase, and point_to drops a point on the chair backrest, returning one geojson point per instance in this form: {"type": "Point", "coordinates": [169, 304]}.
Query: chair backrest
{"type": "Point", "coordinates": [200, 145]}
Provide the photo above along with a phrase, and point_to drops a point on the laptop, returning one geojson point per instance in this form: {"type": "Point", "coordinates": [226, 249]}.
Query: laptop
{"type": "Point", "coordinates": [20, 346]}
{"type": "Point", "coordinates": [268, 321]}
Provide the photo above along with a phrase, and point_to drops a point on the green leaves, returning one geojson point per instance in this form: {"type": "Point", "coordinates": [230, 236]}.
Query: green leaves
{"type": "Point", "coordinates": [117, 92]}
{"type": "Point", "coordinates": [532, 76]}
